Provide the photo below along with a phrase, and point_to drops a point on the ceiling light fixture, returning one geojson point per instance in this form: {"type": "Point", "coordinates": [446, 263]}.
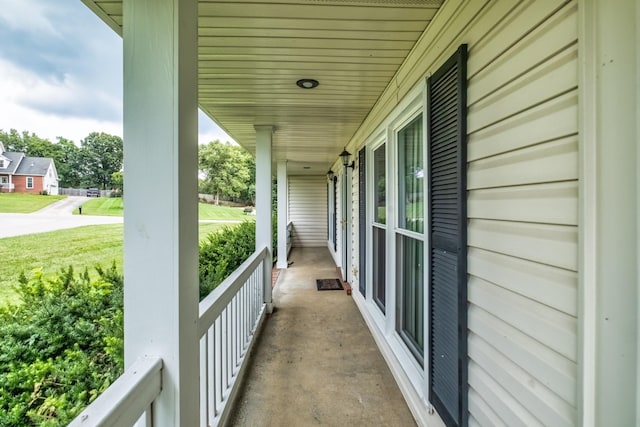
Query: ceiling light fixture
{"type": "Point", "coordinates": [307, 83]}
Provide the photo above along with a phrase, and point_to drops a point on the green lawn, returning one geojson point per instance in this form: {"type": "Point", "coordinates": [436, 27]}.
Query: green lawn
{"type": "Point", "coordinates": [25, 203]}
{"type": "Point", "coordinates": [207, 211]}
{"type": "Point", "coordinates": [112, 206]}
{"type": "Point", "coordinates": [103, 206]}
{"type": "Point", "coordinates": [81, 247]}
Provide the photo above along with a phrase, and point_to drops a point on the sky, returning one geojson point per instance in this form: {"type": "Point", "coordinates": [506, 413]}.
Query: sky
{"type": "Point", "coordinates": [61, 72]}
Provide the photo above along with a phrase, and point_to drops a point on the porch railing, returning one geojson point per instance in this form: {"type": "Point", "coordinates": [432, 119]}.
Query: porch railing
{"type": "Point", "coordinates": [289, 237]}
{"type": "Point", "coordinates": [128, 399]}
{"type": "Point", "coordinates": [228, 320]}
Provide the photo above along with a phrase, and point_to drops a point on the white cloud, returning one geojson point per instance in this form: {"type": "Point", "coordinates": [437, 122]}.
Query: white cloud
{"type": "Point", "coordinates": [28, 16]}
{"type": "Point", "coordinates": [45, 106]}
{"type": "Point", "coordinates": [61, 71]}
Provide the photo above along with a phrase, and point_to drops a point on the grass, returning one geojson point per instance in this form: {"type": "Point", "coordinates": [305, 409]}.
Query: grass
{"type": "Point", "coordinates": [227, 213]}
{"type": "Point", "coordinates": [25, 203]}
{"type": "Point", "coordinates": [113, 206]}
{"type": "Point", "coordinates": [82, 247]}
{"type": "Point", "coordinates": [103, 206]}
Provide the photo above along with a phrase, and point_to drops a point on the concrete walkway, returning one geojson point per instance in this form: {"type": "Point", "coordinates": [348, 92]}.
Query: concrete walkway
{"type": "Point", "coordinates": [56, 216]}
{"type": "Point", "coordinates": [316, 362]}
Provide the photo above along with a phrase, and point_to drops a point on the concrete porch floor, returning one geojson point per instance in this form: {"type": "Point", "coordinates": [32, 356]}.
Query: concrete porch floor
{"type": "Point", "coordinates": [316, 362]}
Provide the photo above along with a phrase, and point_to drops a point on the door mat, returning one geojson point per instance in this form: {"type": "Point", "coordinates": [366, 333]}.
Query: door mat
{"type": "Point", "coordinates": [329, 284]}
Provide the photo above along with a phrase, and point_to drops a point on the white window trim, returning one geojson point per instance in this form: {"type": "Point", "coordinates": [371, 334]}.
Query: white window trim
{"type": "Point", "coordinates": [412, 105]}
{"type": "Point", "coordinates": [378, 142]}
{"type": "Point", "coordinates": [29, 187]}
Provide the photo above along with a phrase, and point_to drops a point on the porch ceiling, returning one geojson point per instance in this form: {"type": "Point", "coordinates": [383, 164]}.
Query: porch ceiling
{"type": "Point", "coordinates": [252, 52]}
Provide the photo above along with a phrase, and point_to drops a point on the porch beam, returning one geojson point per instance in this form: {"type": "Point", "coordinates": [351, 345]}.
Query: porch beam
{"type": "Point", "coordinates": [263, 201]}
{"type": "Point", "coordinates": [283, 213]}
{"type": "Point", "coordinates": [161, 218]}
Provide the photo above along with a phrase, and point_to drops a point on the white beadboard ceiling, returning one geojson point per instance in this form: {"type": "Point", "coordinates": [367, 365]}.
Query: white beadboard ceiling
{"type": "Point", "coordinates": [252, 52]}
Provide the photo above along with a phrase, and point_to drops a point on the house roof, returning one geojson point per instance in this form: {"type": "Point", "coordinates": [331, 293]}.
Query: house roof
{"type": "Point", "coordinates": [34, 166]}
{"type": "Point", "coordinates": [14, 161]}
{"type": "Point", "coordinates": [251, 53]}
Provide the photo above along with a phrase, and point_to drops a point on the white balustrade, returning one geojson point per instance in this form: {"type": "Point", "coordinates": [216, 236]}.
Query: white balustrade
{"type": "Point", "coordinates": [228, 320]}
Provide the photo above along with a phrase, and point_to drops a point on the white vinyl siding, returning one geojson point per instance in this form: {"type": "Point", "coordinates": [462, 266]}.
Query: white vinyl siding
{"type": "Point", "coordinates": [522, 216]}
{"type": "Point", "coordinates": [308, 210]}
{"type": "Point", "coordinates": [522, 182]}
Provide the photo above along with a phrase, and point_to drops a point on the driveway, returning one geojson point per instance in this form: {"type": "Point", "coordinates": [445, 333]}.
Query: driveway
{"type": "Point", "coordinates": [63, 207]}
{"type": "Point", "coordinates": [56, 216]}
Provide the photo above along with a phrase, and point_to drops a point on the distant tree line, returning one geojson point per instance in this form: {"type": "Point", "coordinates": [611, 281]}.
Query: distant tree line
{"type": "Point", "coordinates": [226, 171]}
{"type": "Point", "coordinates": [92, 164]}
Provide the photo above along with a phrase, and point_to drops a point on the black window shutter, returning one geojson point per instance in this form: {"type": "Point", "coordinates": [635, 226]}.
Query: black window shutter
{"type": "Point", "coordinates": [335, 213]}
{"type": "Point", "coordinates": [362, 220]}
{"type": "Point", "coordinates": [446, 123]}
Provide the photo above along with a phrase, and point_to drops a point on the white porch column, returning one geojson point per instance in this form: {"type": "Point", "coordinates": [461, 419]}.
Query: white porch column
{"type": "Point", "coordinates": [283, 213]}
{"type": "Point", "coordinates": [263, 199]}
{"type": "Point", "coordinates": [610, 198]}
{"type": "Point", "coordinates": [161, 218]}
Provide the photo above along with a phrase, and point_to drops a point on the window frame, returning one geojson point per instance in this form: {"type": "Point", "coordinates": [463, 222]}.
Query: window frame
{"type": "Point", "coordinates": [29, 186]}
{"type": "Point", "coordinates": [380, 143]}
{"type": "Point", "coordinates": [411, 115]}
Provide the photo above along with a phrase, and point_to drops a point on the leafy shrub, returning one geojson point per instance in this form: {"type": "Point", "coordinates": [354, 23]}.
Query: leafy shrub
{"type": "Point", "coordinates": [222, 253]}
{"type": "Point", "coordinates": [63, 344]}
{"type": "Point", "coordinates": [61, 347]}
{"type": "Point", "coordinates": [225, 250]}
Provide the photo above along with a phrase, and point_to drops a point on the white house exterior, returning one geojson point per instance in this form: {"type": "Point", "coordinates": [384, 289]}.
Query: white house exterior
{"type": "Point", "coordinates": [488, 225]}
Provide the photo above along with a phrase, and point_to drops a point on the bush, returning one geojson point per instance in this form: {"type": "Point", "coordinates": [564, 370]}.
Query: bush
{"type": "Point", "coordinates": [63, 344]}
{"type": "Point", "coordinates": [61, 347]}
{"type": "Point", "coordinates": [222, 253]}
{"type": "Point", "coordinates": [225, 250]}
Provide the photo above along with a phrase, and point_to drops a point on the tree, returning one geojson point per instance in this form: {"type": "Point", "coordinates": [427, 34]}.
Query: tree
{"type": "Point", "coordinates": [102, 155]}
{"type": "Point", "coordinates": [117, 182]}
{"type": "Point", "coordinates": [13, 141]}
{"type": "Point", "coordinates": [225, 169]}
{"type": "Point", "coordinates": [71, 170]}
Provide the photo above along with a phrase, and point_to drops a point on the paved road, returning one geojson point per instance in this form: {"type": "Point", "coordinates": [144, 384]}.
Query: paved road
{"type": "Point", "coordinates": [56, 216]}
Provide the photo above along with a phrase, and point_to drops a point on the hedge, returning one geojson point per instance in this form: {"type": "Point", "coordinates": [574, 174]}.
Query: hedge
{"type": "Point", "coordinates": [64, 343]}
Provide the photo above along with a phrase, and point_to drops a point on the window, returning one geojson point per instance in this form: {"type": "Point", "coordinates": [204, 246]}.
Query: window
{"type": "Point", "coordinates": [2, 165]}
{"type": "Point", "coordinates": [4, 180]}
{"type": "Point", "coordinates": [378, 228]}
{"type": "Point", "coordinates": [29, 182]}
{"type": "Point", "coordinates": [380, 184]}
{"type": "Point", "coordinates": [411, 177]}
{"type": "Point", "coordinates": [409, 238]}
{"type": "Point", "coordinates": [411, 277]}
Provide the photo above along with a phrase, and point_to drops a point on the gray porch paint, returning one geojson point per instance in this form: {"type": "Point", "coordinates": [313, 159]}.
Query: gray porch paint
{"type": "Point", "coordinates": [161, 221]}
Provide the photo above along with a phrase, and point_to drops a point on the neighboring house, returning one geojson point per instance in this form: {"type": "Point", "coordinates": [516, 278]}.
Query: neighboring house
{"type": "Point", "coordinates": [489, 225]}
{"type": "Point", "coordinates": [21, 174]}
